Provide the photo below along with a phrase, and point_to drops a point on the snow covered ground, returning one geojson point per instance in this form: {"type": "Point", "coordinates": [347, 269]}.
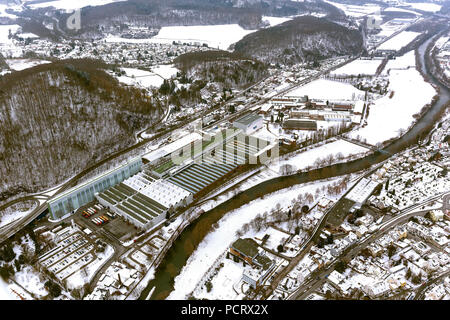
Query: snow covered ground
{"type": "Point", "coordinates": [3, 12]}
{"type": "Point", "coordinates": [393, 9]}
{"type": "Point", "coordinates": [147, 79]}
{"type": "Point", "coordinates": [273, 21]}
{"type": "Point", "coordinates": [276, 237]}
{"type": "Point", "coordinates": [31, 280]}
{"type": "Point", "coordinates": [178, 143]}
{"type": "Point", "coordinates": [216, 242]}
{"type": "Point", "coordinates": [328, 90]}
{"type": "Point", "coordinates": [165, 71]}
{"type": "Point", "coordinates": [429, 7]}
{"type": "Point", "coordinates": [22, 64]}
{"type": "Point", "coordinates": [140, 78]}
{"type": "Point", "coordinates": [404, 62]}
{"type": "Point", "coordinates": [5, 292]}
{"type": "Point", "coordinates": [390, 115]}
{"type": "Point", "coordinates": [71, 5]}
{"type": "Point", "coordinates": [217, 36]}
{"type": "Point", "coordinates": [309, 157]}
{"type": "Point", "coordinates": [399, 41]}
{"type": "Point", "coordinates": [355, 10]}
{"type": "Point", "coordinates": [362, 67]}
{"type": "Point", "coordinates": [10, 217]}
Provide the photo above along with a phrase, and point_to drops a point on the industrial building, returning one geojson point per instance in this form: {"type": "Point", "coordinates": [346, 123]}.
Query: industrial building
{"type": "Point", "coordinates": [249, 123]}
{"type": "Point", "coordinates": [248, 251]}
{"type": "Point", "coordinates": [297, 124]}
{"type": "Point", "coordinates": [147, 194]}
{"type": "Point", "coordinates": [84, 193]}
{"type": "Point", "coordinates": [144, 200]}
{"type": "Point", "coordinates": [291, 101]}
{"type": "Point", "coordinates": [362, 191]}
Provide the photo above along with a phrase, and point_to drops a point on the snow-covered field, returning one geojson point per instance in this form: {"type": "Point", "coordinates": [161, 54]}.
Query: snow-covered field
{"type": "Point", "coordinates": [390, 115]}
{"type": "Point", "coordinates": [3, 12]}
{"type": "Point", "coordinates": [147, 79]}
{"type": "Point", "coordinates": [218, 36]}
{"type": "Point", "coordinates": [4, 32]}
{"type": "Point", "coordinates": [358, 67]}
{"type": "Point", "coordinates": [140, 78]}
{"type": "Point", "coordinates": [5, 292]}
{"type": "Point", "coordinates": [354, 10]}
{"type": "Point", "coordinates": [216, 242]}
{"type": "Point", "coordinates": [309, 157]}
{"type": "Point", "coordinates": [399, 41]}
{"type": "Point", "coordinates": [22, 64]}
{"type": "Point", "coordinates": [393, 9]}
{"type": "Point", "coordinates": [429, 7]}
{"type": "Point", "coordinates": [328, 90]}
{"type": "Point", "coordinates": [71, 5]}
{"type": "Point", "coordinates": [215, 36]}
{"type": "Point", "coordinates": [273, 21]}
{"type": "Point", "coordinates": [403, 62]}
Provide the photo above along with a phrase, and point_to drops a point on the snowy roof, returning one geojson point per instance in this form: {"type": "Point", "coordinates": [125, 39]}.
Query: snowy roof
{"type": "Point", "coordinates": [248, 119]}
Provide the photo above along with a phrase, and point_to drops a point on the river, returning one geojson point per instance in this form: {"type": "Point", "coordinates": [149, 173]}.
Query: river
{"type": "Point", "coordinates": [182, 248]}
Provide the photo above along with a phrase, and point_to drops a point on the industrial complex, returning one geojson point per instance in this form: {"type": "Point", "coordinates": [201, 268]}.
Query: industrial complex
{"type": "Point", "coordinates": [148, 190]}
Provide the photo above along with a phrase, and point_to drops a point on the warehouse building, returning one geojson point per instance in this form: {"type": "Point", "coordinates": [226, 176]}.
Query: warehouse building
{"type": "Point", "coordinates": [249, 123]}
{"type": "Point", "coordinates": [296, 124]}
{"type": "Point", "coordinates": [144, 200]}
{"type": "Point", "coordinates": [219, 160]}
{"type": "Point", "coordinates": [80, 195]}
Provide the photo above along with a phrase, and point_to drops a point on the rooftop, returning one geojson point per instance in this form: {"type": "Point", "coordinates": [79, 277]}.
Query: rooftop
{"type": "Point", "coordinates": [247, 246]}
{"type": "Point", "coordinates": [248, 119]}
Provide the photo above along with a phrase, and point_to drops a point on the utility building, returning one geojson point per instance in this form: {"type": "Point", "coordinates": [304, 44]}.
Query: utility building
{"type": "Point", "coordinates": [249, 123]}
{"type": "Point", "coordinates": [80, 195]}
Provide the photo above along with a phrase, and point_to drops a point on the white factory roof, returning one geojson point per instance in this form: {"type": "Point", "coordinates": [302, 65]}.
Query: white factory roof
{"type": "Point", "coordinates": [162, 191]}
{"type": "Point", "coordinates": [166, 193]}
{"type": "Point", "coordinates": [362, 190]}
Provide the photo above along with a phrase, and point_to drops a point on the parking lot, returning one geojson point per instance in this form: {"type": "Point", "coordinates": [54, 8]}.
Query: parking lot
{"type": "Point", "coordinates": [115, 225]}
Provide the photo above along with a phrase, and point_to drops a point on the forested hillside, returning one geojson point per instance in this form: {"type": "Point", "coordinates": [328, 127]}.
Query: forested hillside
{"type": "Point", "coordinates": [231, 70]}
{"type": "Point", "coordinates": [58, 118]}
{"type": "Point", "coordinates": [154, 14]}
{"type": "Point", "coordinates": [305, 38]}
